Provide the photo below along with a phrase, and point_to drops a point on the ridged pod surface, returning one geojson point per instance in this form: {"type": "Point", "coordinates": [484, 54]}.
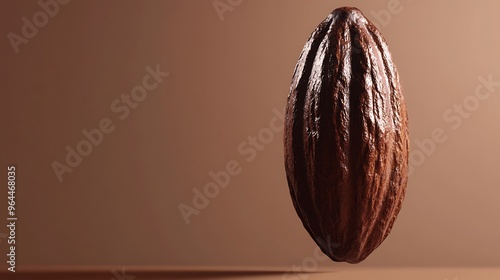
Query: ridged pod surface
{"type": "Point", "coordinates": [346, 137]}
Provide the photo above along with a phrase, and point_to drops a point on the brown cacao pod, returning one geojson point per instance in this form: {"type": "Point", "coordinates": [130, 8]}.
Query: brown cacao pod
{"type": "Point", "coordinates": [346, 137]}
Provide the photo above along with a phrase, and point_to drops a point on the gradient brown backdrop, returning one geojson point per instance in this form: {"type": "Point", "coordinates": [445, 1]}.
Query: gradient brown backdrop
{"type": "Point", "coordinates": [120, 205]}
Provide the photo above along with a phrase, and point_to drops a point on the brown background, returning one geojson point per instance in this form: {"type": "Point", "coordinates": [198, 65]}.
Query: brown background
{"type": "Point", "coordinates": [120, 205]}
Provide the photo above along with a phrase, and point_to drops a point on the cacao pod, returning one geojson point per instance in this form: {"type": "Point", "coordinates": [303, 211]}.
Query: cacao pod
{"type": "Point", "coordinates": [346, 137]}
